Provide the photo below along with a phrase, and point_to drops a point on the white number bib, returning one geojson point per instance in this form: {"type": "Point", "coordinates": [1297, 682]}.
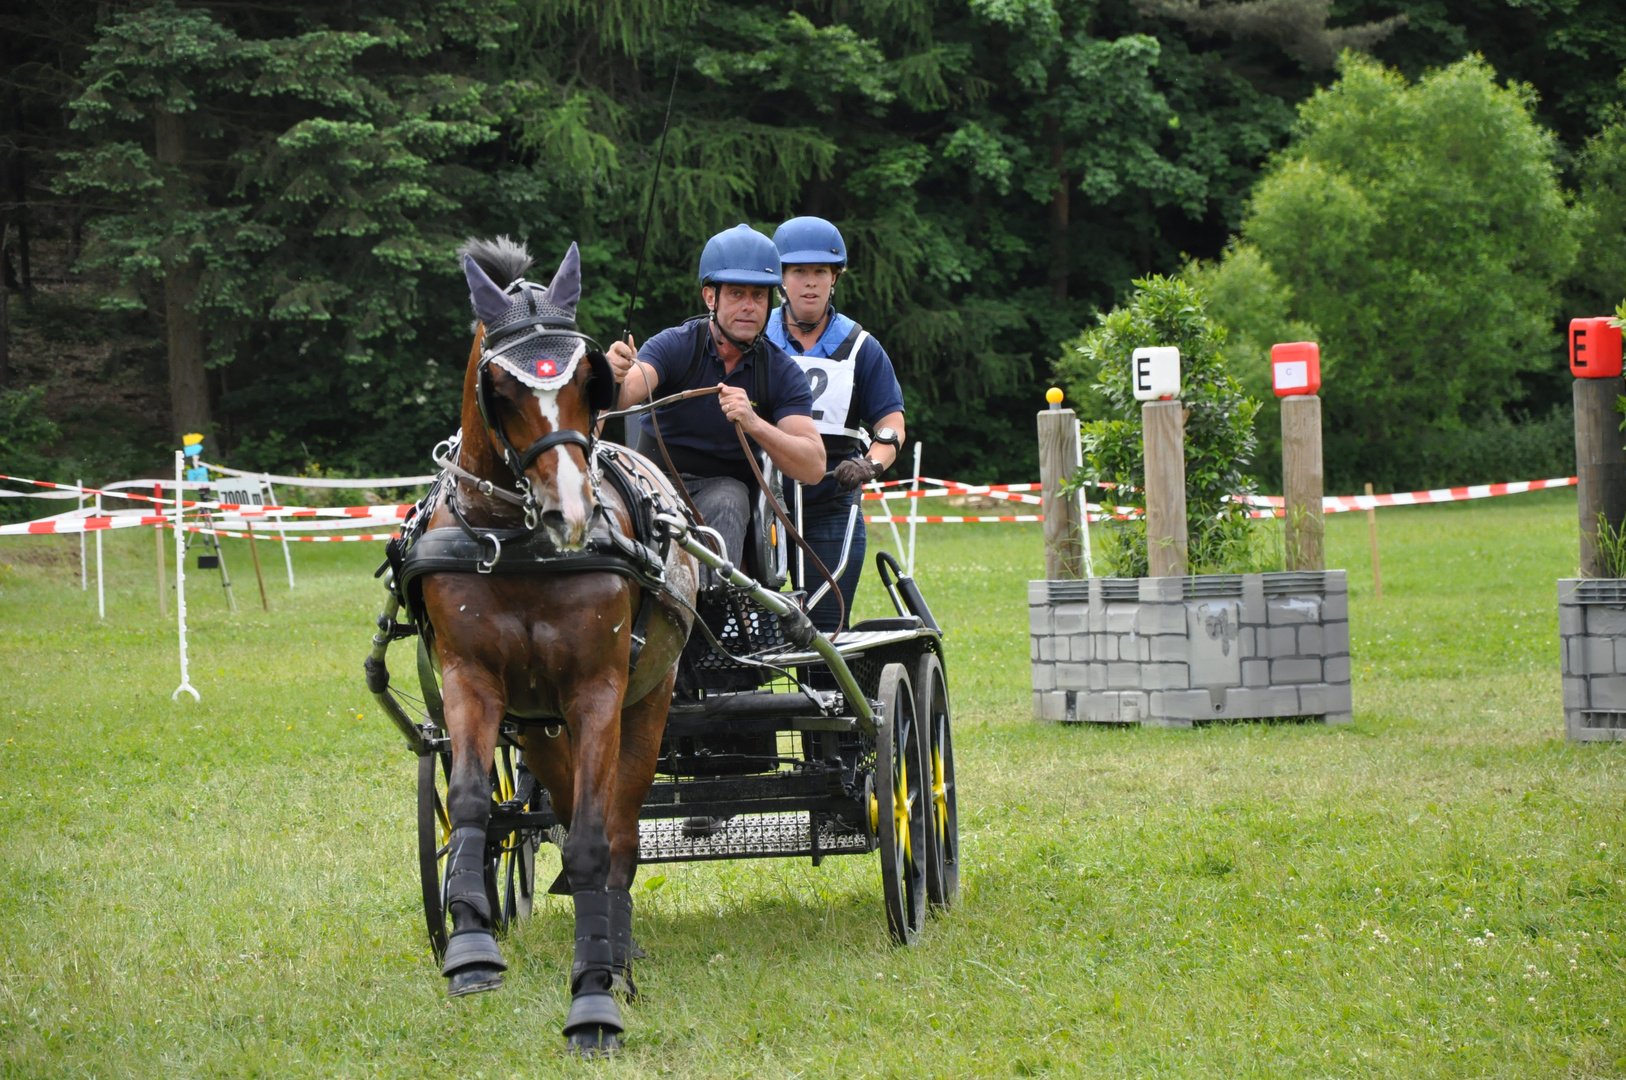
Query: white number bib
{"type": "Point", "coordinates": [830, 381]}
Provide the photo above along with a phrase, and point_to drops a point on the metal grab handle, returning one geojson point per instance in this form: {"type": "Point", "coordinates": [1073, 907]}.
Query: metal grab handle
{"type": "Point", "coordinates": [846, 550]}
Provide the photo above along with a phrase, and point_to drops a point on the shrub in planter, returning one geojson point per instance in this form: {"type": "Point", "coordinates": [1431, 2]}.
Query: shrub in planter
{"type": "Point", "coordinates": [1220, 442]}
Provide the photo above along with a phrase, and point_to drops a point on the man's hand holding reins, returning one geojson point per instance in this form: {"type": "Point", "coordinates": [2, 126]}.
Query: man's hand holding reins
{"type": "Point", "coordinates": [794, 443]}
{"type": "Point", "coordinates": [636, 378]}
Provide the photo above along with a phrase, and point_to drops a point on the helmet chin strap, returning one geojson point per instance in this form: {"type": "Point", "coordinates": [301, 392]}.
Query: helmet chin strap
{"type": "Point", "coordinates": [808, 327]}
{"type": "Point", "coordinates": [743, 346]}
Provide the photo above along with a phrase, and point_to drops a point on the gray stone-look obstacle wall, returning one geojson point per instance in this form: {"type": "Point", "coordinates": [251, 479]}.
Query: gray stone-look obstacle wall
{"type": "Point", "coordinates": [1174, 651]}
{"type": "Point", "coordinates": [1592, 642]}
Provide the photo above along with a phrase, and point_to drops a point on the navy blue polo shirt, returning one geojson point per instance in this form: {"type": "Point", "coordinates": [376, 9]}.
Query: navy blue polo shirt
{"type": "Point", "coordinates": [700, 438]}
{"type": "Point", "coordinates": [876, 392]}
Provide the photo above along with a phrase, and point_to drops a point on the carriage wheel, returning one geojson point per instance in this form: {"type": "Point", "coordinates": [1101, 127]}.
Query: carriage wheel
{"type": "Point", "coordinates": [936, 744]}
{"type": "Point", "coordinates": [514, 874]}
{"type": "Point", "coordinates": [898, 808]}
{"type": "Point", "coordinates": [434, 838]}
{"type": "Point", "coordinates": [510, 878]}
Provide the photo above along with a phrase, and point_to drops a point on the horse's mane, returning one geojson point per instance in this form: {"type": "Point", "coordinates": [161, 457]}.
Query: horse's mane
{"type": "Point", "coordinates": [503, 260]}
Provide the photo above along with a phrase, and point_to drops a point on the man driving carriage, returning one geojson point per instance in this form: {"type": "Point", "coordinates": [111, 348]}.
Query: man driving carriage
{"type": "Point", "coordinates": [759, 386]}
{"type": "Point", "coordinates": [851, 380]}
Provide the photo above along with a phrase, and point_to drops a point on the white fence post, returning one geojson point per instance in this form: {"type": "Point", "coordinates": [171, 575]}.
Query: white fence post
{"type": "Point", "coordinates": [84, 570]}
{"type": "Point", "coordinates": [180, 577]}
{"type": "Point", "coordinates": [271, 493]}
{"type": "Point", "coordinates": [914, 485]}
{"type": "Point", "coordinates": [101, 596]}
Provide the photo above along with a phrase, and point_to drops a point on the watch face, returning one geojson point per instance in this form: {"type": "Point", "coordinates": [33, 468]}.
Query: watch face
{"type": "Point", "coordinates": [886, 435]}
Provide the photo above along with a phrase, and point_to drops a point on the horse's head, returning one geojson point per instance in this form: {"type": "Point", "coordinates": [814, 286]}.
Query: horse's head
{"type": "Point", "coordinates": [531, 389]}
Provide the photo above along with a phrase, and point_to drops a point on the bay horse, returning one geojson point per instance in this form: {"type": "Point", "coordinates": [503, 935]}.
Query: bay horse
{"type": "Point", "coordinates": [552, 647]}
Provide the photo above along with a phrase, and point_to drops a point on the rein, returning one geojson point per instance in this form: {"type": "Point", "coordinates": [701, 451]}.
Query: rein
{"type": "Point", "coordinates": [652, 404]}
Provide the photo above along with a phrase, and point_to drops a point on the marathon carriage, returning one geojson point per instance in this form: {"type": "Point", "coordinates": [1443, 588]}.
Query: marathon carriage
{"type": "Point", "coordinates": [780, 741]}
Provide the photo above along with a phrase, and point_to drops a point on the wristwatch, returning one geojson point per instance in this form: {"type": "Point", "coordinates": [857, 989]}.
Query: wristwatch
{"type": "Point", "coordinates": [888, 436]}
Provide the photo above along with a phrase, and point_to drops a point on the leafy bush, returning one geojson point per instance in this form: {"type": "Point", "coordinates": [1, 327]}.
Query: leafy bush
{"type": "Point", "coordinates": [1220, 440]}
{"type": "Point", "coordinates": [1421, 228]}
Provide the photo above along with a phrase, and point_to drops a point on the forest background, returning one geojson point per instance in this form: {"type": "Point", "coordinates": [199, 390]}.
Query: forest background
{"type": "Point", "coordinates": [239, 218]}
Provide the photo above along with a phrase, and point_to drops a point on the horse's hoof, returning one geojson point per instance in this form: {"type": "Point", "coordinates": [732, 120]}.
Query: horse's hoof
{"type": "Point", "coordinates": [469, 948]}
{"type": "Point", "coordinates": [621, 983]}
{"type": "Point", "coordinates": [593, 1041]}
{"type": "Point", "coordinates": [473, 979]}
{"type": "Point", "coordinates": [594, 1025]}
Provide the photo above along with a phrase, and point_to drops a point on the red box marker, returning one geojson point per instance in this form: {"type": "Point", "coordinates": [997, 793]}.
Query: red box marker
{"type": "Point", "coordinates": [1295, 368]}
{"type": "Point", "coordinates": [1594, 349]}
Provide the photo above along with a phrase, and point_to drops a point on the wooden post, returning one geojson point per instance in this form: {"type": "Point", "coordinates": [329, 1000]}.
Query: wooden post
{"type": "Point", "coordinates": [1058, 459]}
{"type": "Point", "coordinates": [1163, 426]}
{"type": "Point", "coordinates": [1600, 464]}
{"type": "Point", "coordinates": [1372, 530]}
{"type": "Point", "coordinates": [259, 577]}
{"type": "Point", "coordinates": [1302, 482]}
{"type": "Point", "coordinates": [158, 544]}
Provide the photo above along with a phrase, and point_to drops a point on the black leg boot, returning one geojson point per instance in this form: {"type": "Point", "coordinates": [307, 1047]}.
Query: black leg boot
{"type": "Point", "coordinates": [623, 950]}
{"type": "Point", "coordinates": [594, 1025]}
{"type": "Point", "coordinates": [473, 962]}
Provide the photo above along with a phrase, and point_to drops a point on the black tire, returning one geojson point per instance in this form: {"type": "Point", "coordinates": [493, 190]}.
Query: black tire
{"type": "Point", "coordinates": [942, 814]}
{"type": "Point", "coordinates": [510, 877]}
{"type": "Point", "coordinates": [434, 836]}
{"type": "Point", "coordinates": [899, 809]}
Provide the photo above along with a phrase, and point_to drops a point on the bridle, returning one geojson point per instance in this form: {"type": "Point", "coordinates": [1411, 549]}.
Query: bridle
{"type": "Point", "coordinates": [493, 346]}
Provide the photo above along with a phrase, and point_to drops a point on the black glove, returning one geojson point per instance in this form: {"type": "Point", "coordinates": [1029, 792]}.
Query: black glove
{"type": "Point", "coordinates": [857, 470]}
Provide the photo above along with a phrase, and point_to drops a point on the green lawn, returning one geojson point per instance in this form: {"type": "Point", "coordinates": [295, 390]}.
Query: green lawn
{"type": "Point", "coordinates": [230, 888]}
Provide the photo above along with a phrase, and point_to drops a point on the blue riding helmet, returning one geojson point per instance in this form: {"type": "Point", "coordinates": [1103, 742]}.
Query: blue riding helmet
{"type": "Point", "coordinates": [810, 240]}
{"type": "Point", "coordinates": [740, 256]}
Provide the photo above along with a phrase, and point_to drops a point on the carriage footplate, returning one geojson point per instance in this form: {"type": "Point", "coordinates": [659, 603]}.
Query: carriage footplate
{"type": "Point", "coordinates": [747, 836]}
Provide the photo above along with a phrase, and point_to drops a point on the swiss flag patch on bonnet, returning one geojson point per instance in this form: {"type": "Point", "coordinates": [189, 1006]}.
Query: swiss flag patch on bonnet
{"type": "Point", "coordinates": [546, 369]}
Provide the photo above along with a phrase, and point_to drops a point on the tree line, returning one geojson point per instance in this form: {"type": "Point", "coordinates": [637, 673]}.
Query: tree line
{"type": "Point", "coordinates": [271, 192]}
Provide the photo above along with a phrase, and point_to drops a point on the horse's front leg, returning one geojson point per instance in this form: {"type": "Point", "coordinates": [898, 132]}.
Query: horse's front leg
{"type": "Point", "coordinates": [594, 714]}
{"type": "Point", "coordinates": [474, 711]}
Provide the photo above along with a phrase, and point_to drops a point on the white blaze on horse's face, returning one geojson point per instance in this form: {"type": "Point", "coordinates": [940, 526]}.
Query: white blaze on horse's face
{"type": "Point", "coordinates": [574, 499]}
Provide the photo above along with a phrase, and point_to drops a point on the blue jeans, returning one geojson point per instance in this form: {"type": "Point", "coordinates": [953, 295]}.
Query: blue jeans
{"type": "Point", "coordinates": [824, 527]}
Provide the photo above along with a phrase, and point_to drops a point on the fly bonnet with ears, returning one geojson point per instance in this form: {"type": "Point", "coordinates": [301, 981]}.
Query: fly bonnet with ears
{"type": "Point", "coordinates": [530, 330]}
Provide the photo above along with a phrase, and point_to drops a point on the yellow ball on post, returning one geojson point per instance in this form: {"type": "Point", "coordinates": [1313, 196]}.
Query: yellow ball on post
{"type": "Point", "coordinates": [1053, 395]}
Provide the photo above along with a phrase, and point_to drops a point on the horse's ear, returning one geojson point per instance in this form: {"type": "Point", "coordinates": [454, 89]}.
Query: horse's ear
{"type": "Point", "coordinates": [488, 300]}
{"type": "Point", "coordinates": [566, 288]}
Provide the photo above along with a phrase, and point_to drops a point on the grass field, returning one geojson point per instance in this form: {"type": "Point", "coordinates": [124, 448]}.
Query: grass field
{"type": "Point", "coordinates": [230, 888]}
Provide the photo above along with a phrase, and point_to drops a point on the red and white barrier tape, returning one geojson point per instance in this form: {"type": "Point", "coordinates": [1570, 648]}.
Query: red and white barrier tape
{"type": "Point", "coordinates": [66, 525]}
{"type": "Point", "coordinates": [321, 518]}
{"type": "Point", "coordinates": [882, 519]}
{"type": "Point", "coordinates": [1338, 504]}
{"type": "Point", "coordinates": [305, 539]}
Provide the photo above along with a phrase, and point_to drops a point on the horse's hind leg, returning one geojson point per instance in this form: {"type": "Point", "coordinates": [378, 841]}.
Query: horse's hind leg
{"type": "Point", "coordinates": [642, 724]}
{"type": "Point", "coordinates": [594, 1025]}
{"type": "Point", "coordinates": [474, 711]}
